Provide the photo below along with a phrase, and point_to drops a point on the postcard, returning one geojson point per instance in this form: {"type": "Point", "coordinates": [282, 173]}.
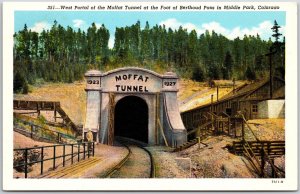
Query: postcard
{"type": "Point", "coordinates": [150, 96]}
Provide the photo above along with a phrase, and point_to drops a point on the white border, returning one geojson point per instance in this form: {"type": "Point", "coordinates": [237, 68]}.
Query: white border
{"type": "Point", "coordinates": [289, 183]}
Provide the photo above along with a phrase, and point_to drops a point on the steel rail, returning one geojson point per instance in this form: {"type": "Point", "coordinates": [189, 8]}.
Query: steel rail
{"type": "Point", "coordinates": [120, 164]}
{"type": "Point", "coordinates": [124, 160]}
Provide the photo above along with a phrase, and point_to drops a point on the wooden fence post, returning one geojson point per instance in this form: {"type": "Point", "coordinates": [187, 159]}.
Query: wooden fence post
{"type": "Point", "coordinates": [64, 153]}
{"type": "Point", "coordinates": [25, 162]}
{"type": "Point", "coordinates": [54, 112]}
{"type": "Point", "coordinates": [89, 149]}
{"type": "Point", "coordinates": [54, 155]}
{"type": "Point", "coordinates": [229, 127]}
{"type": "Point", "coordinates": [72, 146]}
{"type": "Point", "coordinates": [262, 167]}
{"type": "Point", "coordinates": [211, 110]}
{"type": "Point", "coordinates": [42, 159]}
{"type": "Point", "coordinates": [234, 127]}
{"type": "Point", "coordinates": [273, 170]}
{"type": "Point", "coordinates": [83, 150]}
{"type": "Point", "coordinates": [217, 93]}
{"type": "Point", "coordinates": [243, 131]}
{"type": "Point", "coordinates": [93, 148]}
{"type": "Point", "coordinates": [199, 141]}
{"type": "Point", "coordinates": [78, 152]}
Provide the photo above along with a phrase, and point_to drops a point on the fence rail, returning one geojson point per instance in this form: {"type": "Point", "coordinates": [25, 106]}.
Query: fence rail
{"type": "Point", "coordinates": [260, 152]}
{"type": "Point", "coordinates": [87, 149]}
{"type": "Point", "coordinates": [45, 133]}
{"type": "Point", "coordinates": [272, 148]}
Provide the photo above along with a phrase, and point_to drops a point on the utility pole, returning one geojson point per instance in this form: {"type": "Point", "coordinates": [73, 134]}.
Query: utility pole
{"type": "Point", "coordinates": [270, 54]}
{"type": "Point", "coordinates": [217, 93]}
{"type": "Point", "coordinates": [271, 76]}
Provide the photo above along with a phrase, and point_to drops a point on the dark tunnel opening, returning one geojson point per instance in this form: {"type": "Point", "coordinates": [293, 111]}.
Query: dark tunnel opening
{"type": "Point", "coordinates": [131, 118]}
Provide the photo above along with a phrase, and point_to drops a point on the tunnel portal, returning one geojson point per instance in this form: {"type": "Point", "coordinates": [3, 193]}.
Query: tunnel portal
{"type": "Point", "coordinates": [131, 118]}
{"type": "Point", "coordinates": [135, 103]}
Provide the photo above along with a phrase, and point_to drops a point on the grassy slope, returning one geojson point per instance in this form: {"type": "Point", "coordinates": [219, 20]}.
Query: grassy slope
{"type": "Point", "coordinates": [267, 129]}
{"type": "Point", "coordinates": [198, 93]}
{"type": "Point", "coordinates": [72, 98]}
{"type": "Point", "coordinates": [39, 122]}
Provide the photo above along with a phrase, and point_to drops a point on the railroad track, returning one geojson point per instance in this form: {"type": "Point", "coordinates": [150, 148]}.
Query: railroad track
{"type": "Point", "coordinates": [133, 164]}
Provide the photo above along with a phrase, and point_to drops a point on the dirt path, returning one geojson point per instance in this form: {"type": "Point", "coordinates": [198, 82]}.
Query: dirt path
{"type": "Point", "coordinates": [74, 171]}
{"type": "Point", "coordinates": [186, 100]}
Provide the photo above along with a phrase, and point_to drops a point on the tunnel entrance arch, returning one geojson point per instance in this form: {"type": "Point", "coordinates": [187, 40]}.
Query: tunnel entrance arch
{"type": "Point", "coordinates": [135, 103]}
{"type": "Point", "coordinates": [131, 118]}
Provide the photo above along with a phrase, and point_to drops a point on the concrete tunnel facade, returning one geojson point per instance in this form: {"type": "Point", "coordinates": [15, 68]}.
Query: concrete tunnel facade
{"type": "Point", "coordinates": [135, 103]}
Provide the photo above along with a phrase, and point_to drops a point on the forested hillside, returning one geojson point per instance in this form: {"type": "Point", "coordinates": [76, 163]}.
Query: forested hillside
{"type": "Point", "coordinates": [63, 54]}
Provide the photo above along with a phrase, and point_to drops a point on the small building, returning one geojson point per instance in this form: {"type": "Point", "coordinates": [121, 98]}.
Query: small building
{"type": "Point", "coordinates": [271, 109]}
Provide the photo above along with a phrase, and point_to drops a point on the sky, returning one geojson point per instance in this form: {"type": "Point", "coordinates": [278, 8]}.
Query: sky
{"type": "Point", "coordinates": [230, 24]}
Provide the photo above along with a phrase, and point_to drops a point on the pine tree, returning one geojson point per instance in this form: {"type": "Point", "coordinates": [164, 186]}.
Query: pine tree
{"type": "Point", "coordinates": [275, 29]}
{"type": "Point", "coordinates": [20, 84]}
{"type": "Point", "coordinates": [250, 74]}
{"type": "Point", "coordinates": [91, 43]}
{"type": "Point", "coordinates": [213, 71]}
{"type": "Point", "coordinates": [25, 88]}
{"type": "Point", "coordinates": [145, 43]}
{"type": "Point", "coordinates": [198, 74]}
{"type": "Point", "coordinates": [227, 68]}
{"type": "Point", "coordinates": [279, 48]}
